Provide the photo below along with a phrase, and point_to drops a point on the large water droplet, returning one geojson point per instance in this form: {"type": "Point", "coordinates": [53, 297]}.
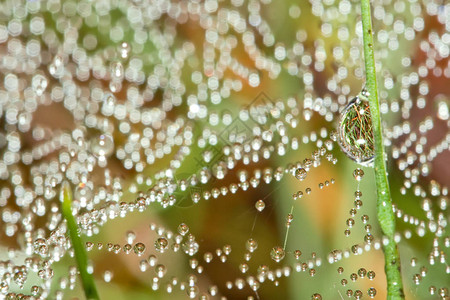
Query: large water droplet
{"type": "Point", "coordinates": [355, 131]}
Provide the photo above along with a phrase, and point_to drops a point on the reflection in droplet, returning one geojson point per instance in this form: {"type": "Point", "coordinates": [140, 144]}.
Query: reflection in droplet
{"type": "Point", "coordinates": [356, 132]}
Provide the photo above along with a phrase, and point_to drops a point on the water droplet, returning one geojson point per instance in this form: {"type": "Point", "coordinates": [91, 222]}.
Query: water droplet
{"type": "Point", "coordinates": [127, 248]}
{"type": "Point", "coordinates": [183, 229]}
{"type": "Point", "coordinates": [289, 219]}
{"type": "Point", "coordinates": [368, 238]}
{"type": "Point", "coordinates": [107, 276]}
{"type": "Point", "coordinates": [192, 291]}
{"type": "Point", "coordinates": [251, 245]}
{"type": "Point", "coordinates": [358, 174]}
{"type": "Point", "coordinates": [124, 50]}
{"type": "Point", "coordinates": [102, 146]}
{"type": "Point", "coordinates": [362, 272]}
{"type": "Point", "coordinates": [355, 131]}
{"type": "Point", "coordinates": [160, 270]}
{"type": "Point", "coordinates": [161, 244]}
{"type": "Point", "coordinates": [83, 193]}
{"type": "Point", "coordinates": [316, 296]}
{"type": "Point", "coordinates": [260, 205]}
{"type": "Point", "coordinates": [139, 248]}
{"type": "Point", "coordinates": [116, 71]}
{"type": "Point", "coordinates": [442, 110]}
{"type": "Point", "coordinates": [39, 84]}
{"type": "Point", "coordinates": [109, 102]}
{"type": "Point", "coordinates": [56, 68]}
{"type": "Point", "coordinates": [190, 247]}
{"type": "Point", "coordinates": [277, 253]}
{"type": "Point", "coordinates": [300, 174]}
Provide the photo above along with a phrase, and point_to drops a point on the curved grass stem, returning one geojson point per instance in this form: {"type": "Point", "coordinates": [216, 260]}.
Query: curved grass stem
{"type": "Point", "coordinates": [385, 213]}
{"type": "Point", "coordinates": [87, 279]}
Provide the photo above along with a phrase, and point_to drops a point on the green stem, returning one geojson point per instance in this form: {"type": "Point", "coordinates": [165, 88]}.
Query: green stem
{"type": "Point", "coordinates": [80, 253]}
{"type": "Point", "coordinates": [386, 216]}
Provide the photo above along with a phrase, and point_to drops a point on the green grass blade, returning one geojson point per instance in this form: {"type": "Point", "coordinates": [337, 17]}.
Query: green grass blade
{"type": "Point", "coordinates": [80, 253]}
{"type": "Point", "coordinates": [385, 213]}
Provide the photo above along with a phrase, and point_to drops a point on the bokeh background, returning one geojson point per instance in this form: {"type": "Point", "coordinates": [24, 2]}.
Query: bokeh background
{"type": "Point", "coordinates": [320, 217]}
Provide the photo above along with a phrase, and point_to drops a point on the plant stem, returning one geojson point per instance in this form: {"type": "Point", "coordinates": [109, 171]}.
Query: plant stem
{"type": "Point", "coordinates": [87, 279]}
{"type": "Point", "coordinates": [385, 214]}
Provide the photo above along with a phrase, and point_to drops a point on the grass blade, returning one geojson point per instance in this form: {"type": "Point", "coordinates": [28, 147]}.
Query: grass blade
{"type": "Point", "coordinates": [87, 279]}
{"type": "Point", "coordinates": [385, 213]}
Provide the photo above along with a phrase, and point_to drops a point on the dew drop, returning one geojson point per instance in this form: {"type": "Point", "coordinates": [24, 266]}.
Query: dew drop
{"type": "Point", "coordinates": [192, 291]}
{"type": "Point", "coordinates": [39, 84]}
{"type": "Point", "coordinates": [442, 110]}
{"type": "Point", "coordinates": [102, 146]}
{"type": "Point", "coordinates": [362, 272]}
{"type": "Point", "coordinates": [251, 245]}
{"type": "Point", "coordinates": [161, 244]}
{"type": "Point", "coordinates": [316, 296]}
{"type": "Point", "coordinates": [368, 238]}
{"type": "Point", "coordinates": [190, 247]}
{"type": "Point", "coordinates": [109, 102]}
{"type": "Point", "coordinates": [356, 133]}
{"type": "Point", "coordinates": [107, 276]}
{"type": "Point", "coordinates": [260, 205]}
{"type": "Point", "coordinates": [358, 174]}
{"type": "Point", "coordinates": [124, 50]}
{"type": "Point", "coordinates": [277, 253]}
{"type": "Point", "coordinates": [300, 174]}
{"type": "Point", "coordinates": [183, 229]}
{"type": "Point", "coordinates": [139, 248]}
{"type": "Point", "coordinates": [127, 248]}
{"type": "Point", "coordinates": [117, 71]}
{"type": "Point", "coordinates": [83, 193]}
